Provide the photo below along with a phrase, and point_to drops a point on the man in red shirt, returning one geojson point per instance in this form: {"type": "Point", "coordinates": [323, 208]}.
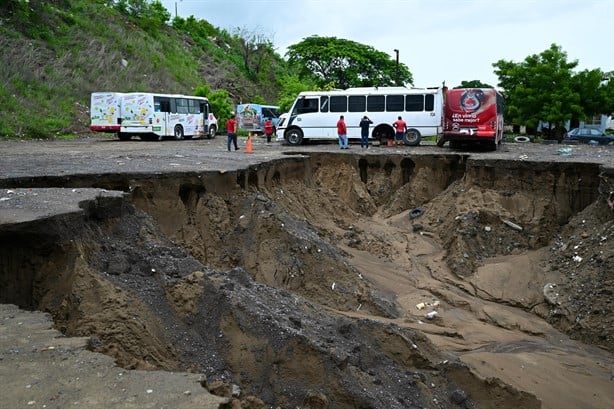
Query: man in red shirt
{"type": "Point", "coordinates": [231, 129]}
{"type": "Point", "coordinates": [268, 129]}
{"type": "Point", "coordinates": [342, 132]}
{"type": "Point", "coordinates": [401, 126]}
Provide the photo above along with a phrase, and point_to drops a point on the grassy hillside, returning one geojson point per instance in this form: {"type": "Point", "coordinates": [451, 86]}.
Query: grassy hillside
{"type": "Point", "coordinates": [53, 54]}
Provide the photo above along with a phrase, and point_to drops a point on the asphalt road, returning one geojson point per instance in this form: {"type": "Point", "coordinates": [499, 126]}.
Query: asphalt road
{"type": "Point", "coordinates": [26, 159]}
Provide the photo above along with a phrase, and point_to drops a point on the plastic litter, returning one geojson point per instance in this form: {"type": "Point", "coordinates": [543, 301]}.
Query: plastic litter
{"type": "Point", "coordinates": [512, 225]}
{"type": "Point", "coordinates": [432, 314]}
{"type": "Point", "coordinates": [565, 151]}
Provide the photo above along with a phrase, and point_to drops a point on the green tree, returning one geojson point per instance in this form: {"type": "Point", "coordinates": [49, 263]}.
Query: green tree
{"type": "Point", "coordinates": [149, 15]}
{"type": "Point", "coordinates": [220, 102]}
{"type": "Point", "coordinates": [339, 63]}
{"type": "Point", "coordinates": [291, 86]}
{"type": "Point", "coordinates": [256, 51]}
{"type": "Point", "coordinates": [541, 88]}
{"type": "Point", "coordinates": [474, 84]}
{"type": "Point", "coordinates": [607, 88]}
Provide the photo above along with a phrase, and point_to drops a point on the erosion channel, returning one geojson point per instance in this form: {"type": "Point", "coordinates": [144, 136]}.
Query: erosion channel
{"type": "Point", "coordinates": [326, 280]}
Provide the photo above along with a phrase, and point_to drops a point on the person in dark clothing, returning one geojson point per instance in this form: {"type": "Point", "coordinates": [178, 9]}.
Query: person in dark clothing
{"type": "Point", "coordinates": [364, 131]}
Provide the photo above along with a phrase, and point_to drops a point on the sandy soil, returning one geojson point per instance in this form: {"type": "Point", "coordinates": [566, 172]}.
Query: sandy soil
{"type": "Point", "coordinates": [486, 315]}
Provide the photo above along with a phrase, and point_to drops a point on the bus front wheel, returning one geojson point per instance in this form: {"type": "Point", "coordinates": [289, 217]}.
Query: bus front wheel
{"type": "Point", "coordinates": [294, 137]}
{"type": "Point", "coordinates": [212, 131]}
{"type": "Point", "coordinates": [178, 132]}
{"type": "Point", "coordinates": [412, 137]}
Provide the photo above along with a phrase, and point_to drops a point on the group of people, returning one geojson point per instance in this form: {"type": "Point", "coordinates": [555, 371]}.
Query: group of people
{"type": "Point", "coordinates": [231, 131]}
{"type": "Point", "coordinates": [399, 125]}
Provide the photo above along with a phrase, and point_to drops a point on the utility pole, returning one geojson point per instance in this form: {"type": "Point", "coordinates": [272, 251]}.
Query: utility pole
{"type": "Point", "coordinates": [176, 8]}
{"type": "Point", "coordinates": [397, 67]}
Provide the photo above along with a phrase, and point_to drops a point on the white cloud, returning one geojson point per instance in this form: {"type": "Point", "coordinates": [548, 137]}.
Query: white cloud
{"type": "Point", "coordinates": [439, 40]}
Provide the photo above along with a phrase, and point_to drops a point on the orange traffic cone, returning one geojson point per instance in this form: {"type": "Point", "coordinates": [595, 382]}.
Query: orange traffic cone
{"type": "Point", "coordinates": [248, 147]}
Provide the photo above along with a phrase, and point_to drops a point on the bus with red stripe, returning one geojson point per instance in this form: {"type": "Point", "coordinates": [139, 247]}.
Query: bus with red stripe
{"type": "Point", "coordinates": [472, 116]}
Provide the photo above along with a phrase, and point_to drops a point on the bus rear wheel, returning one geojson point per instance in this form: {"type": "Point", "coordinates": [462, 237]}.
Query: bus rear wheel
{"type": "Point", "coordinates": [294, 137]}
{"type": "Point", "coordinates": [124, 136]}
{"type": "Point", "coordinates": [178, 132]}
{"type": "Point", "coordinates": [412, 137]}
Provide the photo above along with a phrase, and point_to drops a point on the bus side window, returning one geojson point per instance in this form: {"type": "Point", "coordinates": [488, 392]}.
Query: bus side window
{"type": "Point", "coordinates": [306, 105]}
{"type": "Point", "coordinates": [357, 103]}
{"type": "Point", "coordinates": [323, 103]}
{"type": "Point", "coordinates": [394, 103]}
{"type": "Point", "coordinates": [338, 103]}
{"type": "Point", "coordinates": [193, 106]}
{"type": "Point", "coordinates": [414, 103]}
{"type": "Point", "coordinates": [162, 104]}
{"type": "Point", "coordinates": [182, 106]}
{"type": "Point", "coordinates": [376, 103]}
{"type": "Point", "coordinates": [429, 102]}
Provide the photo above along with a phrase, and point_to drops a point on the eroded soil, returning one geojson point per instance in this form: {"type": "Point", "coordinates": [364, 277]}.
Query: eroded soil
{"type": "Point", "coordinates": [342, 281]}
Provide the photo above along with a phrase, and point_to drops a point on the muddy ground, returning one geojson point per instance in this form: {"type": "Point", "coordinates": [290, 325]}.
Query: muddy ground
{"type": "Point", "coordinates": [312, 278]}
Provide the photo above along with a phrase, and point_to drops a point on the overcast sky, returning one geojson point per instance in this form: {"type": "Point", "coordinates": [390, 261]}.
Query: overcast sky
{"type": "Point", "coordinates": [438, 40]}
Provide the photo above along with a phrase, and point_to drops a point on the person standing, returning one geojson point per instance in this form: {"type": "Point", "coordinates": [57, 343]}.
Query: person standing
{"type": "Point", "coordinates": [401, 127]}
{"type": "Point", "coordinates": [231, 129]}
{"type": "Point", "coordinates": [268, 129]}
{"type": "Point", "coordinates": [364, 131]}
{"type": "Point", "coordinates": [342, 132]}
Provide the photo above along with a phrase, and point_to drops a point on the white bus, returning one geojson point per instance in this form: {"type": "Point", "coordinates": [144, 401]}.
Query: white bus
{"type": "Point", "coordinates": [314, 115]}
{"type": "Point", "coordinates": [152, 116]}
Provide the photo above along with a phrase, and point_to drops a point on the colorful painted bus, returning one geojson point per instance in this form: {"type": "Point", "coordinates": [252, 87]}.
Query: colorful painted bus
{"type": "Point", "coordinates": [152, 116]}
{"type": "Point", "coordinates": [251, 117]}
{"type": "Point", "coordinates": [314, 115]}
{"type": "Point", "coordinates": [473, 116]}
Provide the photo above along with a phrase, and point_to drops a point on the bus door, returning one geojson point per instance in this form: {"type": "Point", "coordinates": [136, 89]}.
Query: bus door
{"type": "Point", "coordinates": [205, 110]}
{"type": "Point", "coordinates": [162, 109]}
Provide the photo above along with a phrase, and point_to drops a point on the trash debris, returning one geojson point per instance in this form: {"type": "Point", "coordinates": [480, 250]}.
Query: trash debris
{"type": "Point", "coordinates": [512, 225]}
{"type": "Point", "coordinates": [577, 259]}
{"type": "Point", "coordinates": [423, 305]}
{"type": "Point", "coordinates": [432, 314]}
{"type": "Point", "coordinates": [414, 213]}
{"type": "Point", "coordinates": [565, 151]}
{"type": "Point", "coordinates": [332, 287]}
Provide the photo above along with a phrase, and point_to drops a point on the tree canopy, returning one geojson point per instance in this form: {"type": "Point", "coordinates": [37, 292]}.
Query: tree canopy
{"type": "Point", "coordinates": [544, 87]}
{"type": "Point", "coordinates": [474, 84]}
{"type": "Point", "coordinates": [338, 63]}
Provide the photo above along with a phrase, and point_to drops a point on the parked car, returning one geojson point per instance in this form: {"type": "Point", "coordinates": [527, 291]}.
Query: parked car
{"type": "Point", "coordinates": [585, 135]}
